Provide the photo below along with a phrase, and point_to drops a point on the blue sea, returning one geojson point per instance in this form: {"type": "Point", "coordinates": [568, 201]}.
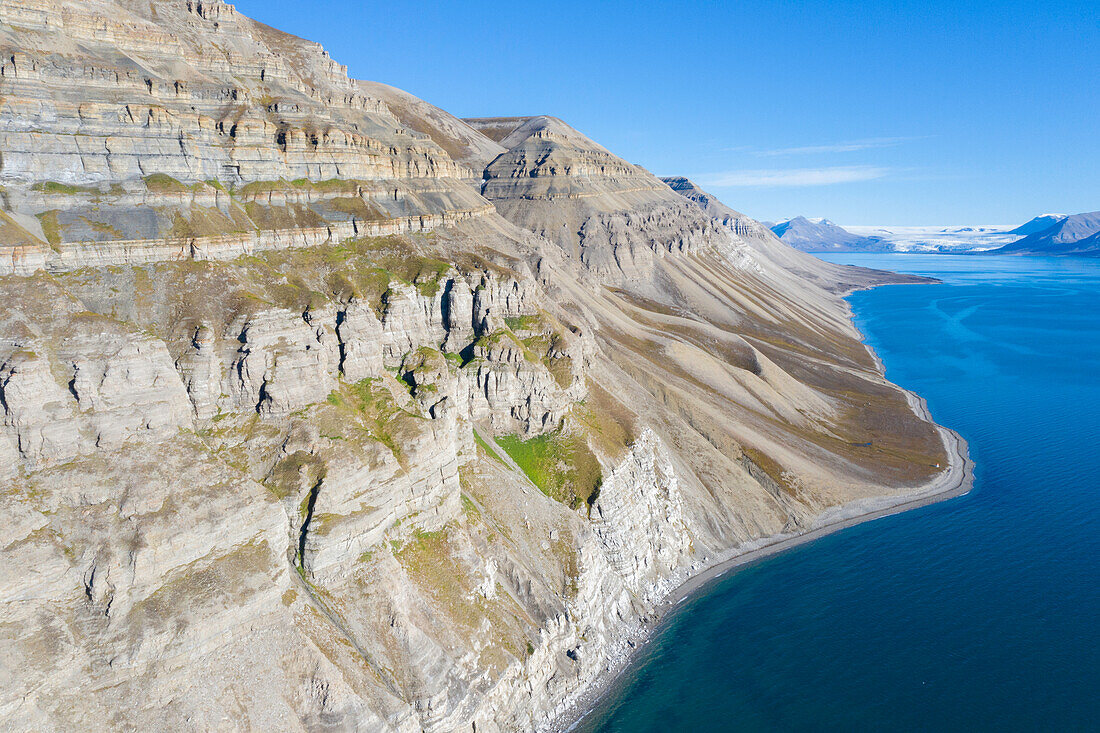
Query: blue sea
{"type": "Point", "coordinates": [981, 613]}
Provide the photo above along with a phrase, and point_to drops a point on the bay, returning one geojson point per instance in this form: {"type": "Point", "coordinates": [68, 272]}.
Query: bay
{"type": "Point", "coordinates": [980, 613]}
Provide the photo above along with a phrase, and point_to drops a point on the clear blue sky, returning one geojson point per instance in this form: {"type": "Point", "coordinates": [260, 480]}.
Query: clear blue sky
{"type": "Point", "coordinates": [869, 112]}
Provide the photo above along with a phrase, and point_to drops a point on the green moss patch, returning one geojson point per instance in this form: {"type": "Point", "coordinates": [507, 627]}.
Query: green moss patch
{"type": "Point", "coordinates": [164, 183]}
{"type": "Point", "coordinates": [612, 426]}
{"type": "Point", "coordinates": [522, 323]}
{"type": "Point", "coordinates": [373, 412]}
{"type": "Point", "coordinates": [64, 188]}
{"type": "Point", "coordinates": [561, 465]}
{"type": "Point", "coordinates": [51, 227]}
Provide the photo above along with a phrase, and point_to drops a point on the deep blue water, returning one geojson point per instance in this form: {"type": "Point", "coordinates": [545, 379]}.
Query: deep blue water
{"type": "Point", "coordinates": [981, 613]}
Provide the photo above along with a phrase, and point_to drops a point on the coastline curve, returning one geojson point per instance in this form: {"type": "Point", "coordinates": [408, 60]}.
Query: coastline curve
{"type": "Point", "coordinates": [956, 480]}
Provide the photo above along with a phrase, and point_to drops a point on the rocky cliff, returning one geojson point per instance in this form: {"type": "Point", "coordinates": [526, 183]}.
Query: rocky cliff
{"type": "Point", "coordinates": [176, 129]}
{"type": "Point", "coordinates": [322, 409]}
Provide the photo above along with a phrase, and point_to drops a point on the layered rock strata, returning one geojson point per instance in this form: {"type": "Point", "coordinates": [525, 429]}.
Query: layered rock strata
{"type": "Point", "coordinates": [265, 335]}
{"type": "Point", "coordinates": [166, 127]}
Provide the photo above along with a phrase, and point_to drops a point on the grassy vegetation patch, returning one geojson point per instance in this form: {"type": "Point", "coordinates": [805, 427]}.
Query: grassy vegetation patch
{"type": "Point", "coordinates": [297, 471]}
{"type": "Point", "coordinates": [51, 227]}
{"type": "Point", "coordinates": [421, 371]}
{"type": "Point", "coordinates": [199, 221]}
{"type": "Point", "coordinates": [290, 216]}
{"type": "Point", "coordinates": [522, 323]}
{"type": "Point", "coordinates": [432, 561]}
{"type": "Point", "coordinates": [772, 469]}
{"type": "Point", "coordinates": [546, 338]}
{"type": "Point", "coordinates": [332, 185]}
{"type": "Point", "coordinates": [611, 424]}
{"type": "Point", "coordinates": [257, 188]}
{"type": "Point", "coordinates": [64, 188]}
{"type": "Point", "coordinates": [355, 206]}
{"type": "Point", "coordinates": [375, 413]}
{"type": "Point", "coordinates": [469, 507]}
{"type": "Point", "coordinates": [561, 369]}
{"type": "Point", "coordinates": [362, 268]}
{"type": "Point", "coordinates": [429, 287]}
{"type": "Point", "coordinates": [106, 230]}
{"type": "Point", "coordinates": [428, 557]}
{"type": "Point", "coordinates": [505, 337]}
{"type": "Point", "coordinates": [164, 183]}
{"type": "Point", "coordinates": [561, 465]}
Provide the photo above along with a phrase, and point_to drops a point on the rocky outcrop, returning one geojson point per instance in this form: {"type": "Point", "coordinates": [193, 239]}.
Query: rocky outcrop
{"type": "Point", "coordinates": [509, 385]}
{"type": "Point", "coordinates": [126, 386]}
{"type": "Point", "coordinates": [347, 468]}
{"type": "Point", "coordinates": [116, 388]}
{"type": "Point", "coordinates": [200, 368]}
{"type": "Point", "coordinates": [641, 521]}
{"type": "Point", "coordinates": [615, 217]}
{"type": "Point", "coordinates": [280, 366]}
{"type": "Point", "coordinates": [358, 501]}
{"type": "Point", "coordinates": [627, 245]}
{"type": "Point", "coordinates": [360, 335]}
{"type": "Point", "coordinates": [38, 412]}
{"type": "Point", "coordinates": [740, 224]}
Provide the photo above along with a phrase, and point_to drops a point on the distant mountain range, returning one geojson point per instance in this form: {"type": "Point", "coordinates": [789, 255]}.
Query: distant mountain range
{"type": "Point", "coordinates": [1038, 224]}
{"type": "Point", "coordinates": [1048, 234]}
{"type": "Point", "coordinates": [822, 235]}
{"type": "Point", "coordinates": [1078, 234]}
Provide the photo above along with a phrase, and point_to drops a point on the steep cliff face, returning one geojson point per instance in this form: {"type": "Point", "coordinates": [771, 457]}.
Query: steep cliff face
{"type": "Point", "coordinates": [135, 122]}
{"type": "Point", "coordinates": [308, 452]}
{"type": "Point", "coordinates": [617, 218]}
{"type": "Point", "coordinates": [299, 430]}
{"type": "Point", "coordinates": [195, 91]}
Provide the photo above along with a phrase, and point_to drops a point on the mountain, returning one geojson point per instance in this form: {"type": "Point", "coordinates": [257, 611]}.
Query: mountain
{"type": "Point", "coordinates": [1071, 235]}
{"type": "Point", "coordinates": [1038, 224]}
{"type": "Point", "coordinates": [321, 408]}
{"type": "Point", "coordinates": [708, 203]}
{"type": "Point", "coordinates": [459, 140]}
{"type": "Point", "coordinates": [822, 235]}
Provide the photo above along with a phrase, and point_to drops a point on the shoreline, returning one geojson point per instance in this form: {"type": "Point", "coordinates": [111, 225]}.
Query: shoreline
{"type": "Point", "coordinates": [956, 480]}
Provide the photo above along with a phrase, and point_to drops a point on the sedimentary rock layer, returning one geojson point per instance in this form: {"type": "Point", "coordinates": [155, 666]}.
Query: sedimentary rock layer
{"type": "Point", "coordinates": [322, 409]}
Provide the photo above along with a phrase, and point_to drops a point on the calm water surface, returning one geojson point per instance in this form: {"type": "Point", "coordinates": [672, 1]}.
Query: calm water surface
{"type": "Point", "coordinates": [981, 613]}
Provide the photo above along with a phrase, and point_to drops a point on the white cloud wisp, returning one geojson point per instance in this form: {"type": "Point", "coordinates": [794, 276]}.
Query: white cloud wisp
{"type": "Point", "coordinates": [850, 146]}
{"type": "Point", "coordinates": [793, 177]}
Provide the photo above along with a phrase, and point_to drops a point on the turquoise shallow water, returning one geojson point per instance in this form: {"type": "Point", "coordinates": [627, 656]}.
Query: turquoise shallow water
{"type": "Point", "coordinates": [981, 613]}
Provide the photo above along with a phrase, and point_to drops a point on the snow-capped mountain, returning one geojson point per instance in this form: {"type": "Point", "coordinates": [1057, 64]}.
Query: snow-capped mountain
{"type": "Point", "coordinates": [1038, 224]}
{"type": "Point", "coordinates": [1078, 234]}
{"type": "Point", "coordinates": [822, 235]}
